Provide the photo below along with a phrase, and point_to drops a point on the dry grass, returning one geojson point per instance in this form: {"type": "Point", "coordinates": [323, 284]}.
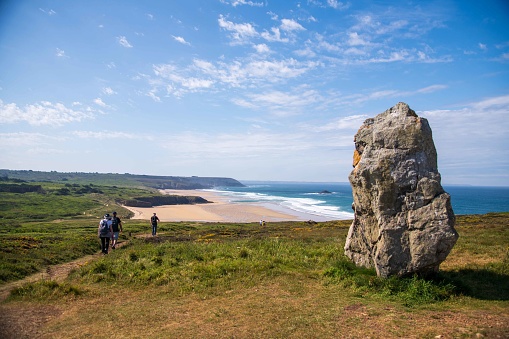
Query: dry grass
{"type": "Point", "coordinates": [281, 309]}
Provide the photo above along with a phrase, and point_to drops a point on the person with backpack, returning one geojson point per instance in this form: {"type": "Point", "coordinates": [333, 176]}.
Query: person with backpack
{"type": "Point", "coordinates": [153, 220]}
{"type": "Point", "coordinates": [104, 232]}
{"type": "Point", "coordinates": [116, 226]}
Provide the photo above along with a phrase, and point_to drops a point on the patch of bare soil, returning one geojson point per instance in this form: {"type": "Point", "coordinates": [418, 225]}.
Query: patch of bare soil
{"type": "Point", "coordinates": [25, 321]}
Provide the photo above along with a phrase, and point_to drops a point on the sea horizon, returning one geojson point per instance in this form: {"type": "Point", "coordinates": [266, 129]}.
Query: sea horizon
{"type": "Point", "coordinates": [348, 183]}
{"type": "Point", "coordinates": [325, 201]}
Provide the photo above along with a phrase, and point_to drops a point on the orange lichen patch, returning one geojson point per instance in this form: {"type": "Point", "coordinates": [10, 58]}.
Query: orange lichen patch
{"type": "Point", "coordinates": [356, 158]}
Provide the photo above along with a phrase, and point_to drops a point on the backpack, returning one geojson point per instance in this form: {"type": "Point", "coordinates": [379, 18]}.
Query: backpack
{"type": "Point", "coordinates": [104, 228]}
{"type": "Point", "coordinates": [114, 224]}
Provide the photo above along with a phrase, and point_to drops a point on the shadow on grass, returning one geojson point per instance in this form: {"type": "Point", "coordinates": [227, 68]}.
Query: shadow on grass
{"type": "Point", "coordinates": [481, 284]}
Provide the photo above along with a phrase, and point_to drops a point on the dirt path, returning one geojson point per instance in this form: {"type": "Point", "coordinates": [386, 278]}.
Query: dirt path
{"type": "Point", "coordinates": [57, 273]}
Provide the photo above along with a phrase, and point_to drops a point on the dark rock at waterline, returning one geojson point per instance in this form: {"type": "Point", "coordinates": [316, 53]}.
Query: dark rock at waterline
{"type": "Point", "coordinates": [164, 200]}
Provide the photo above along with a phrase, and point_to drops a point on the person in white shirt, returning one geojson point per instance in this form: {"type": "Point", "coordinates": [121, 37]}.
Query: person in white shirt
{"type": "Point", "coordinates": [104, 231]}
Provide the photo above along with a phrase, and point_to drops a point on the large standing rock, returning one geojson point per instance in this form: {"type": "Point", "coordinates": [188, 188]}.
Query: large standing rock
{"type": "Point", "coordinates": [404, 222]}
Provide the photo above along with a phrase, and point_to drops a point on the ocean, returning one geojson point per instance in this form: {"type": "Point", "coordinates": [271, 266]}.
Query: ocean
{"type": "Point", "coordinates": [333, 201]}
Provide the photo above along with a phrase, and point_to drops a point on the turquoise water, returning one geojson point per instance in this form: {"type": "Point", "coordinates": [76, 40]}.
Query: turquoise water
{"type": "Point", "coordinates": [306, 199]}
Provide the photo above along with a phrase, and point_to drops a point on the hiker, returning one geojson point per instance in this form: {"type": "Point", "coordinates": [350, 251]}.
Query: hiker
{"type": "Point", "coordinates": [116, 226]}
{"type": "Point", "coordinates": [153, 220]}
{"type": "Point", "coordinates": [104, 232]}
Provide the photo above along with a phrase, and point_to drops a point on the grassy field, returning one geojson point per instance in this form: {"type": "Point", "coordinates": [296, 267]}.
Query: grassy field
{"type": "Point", "coordinates": [287, 279]}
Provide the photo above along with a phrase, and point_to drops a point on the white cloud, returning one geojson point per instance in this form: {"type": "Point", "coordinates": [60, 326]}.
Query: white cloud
{"type": "Point", "coordinates": [389, 93]}
{"type": "Point", "coordinates": [257, 152]}
{"type": "Point", "coordinates": [48, 11]}
{"type": "Point", "coordinates": [152, 94]}
{"type": "Point", "coordinates": [483, 47]}
{"type": "Point", "coordinates": [122, 40]}
{"type": "Point", "coordinates": [169, 72]}
{"type": "Point", "coordinates": [322, 44]}
{"type": "Point", "coordinates": [391, 27]}
{"type": "Point", "coordinates": [110, 135]}
{"type": "Point", "coordinates": [273, 15]}
{"type": "Point", "coordinates": [261, 48]}
{"type": "Point", "coordinates": [36, 151]}
{"type": "Point", "coordinates": [291, 25]}
{"type": "Point", "coordinates": [108, 91]}
{"type": "Point", "coordinates": [385, 37]}
{"type": "Point", "coordinates": [307, 52]}
{"type": "Point", "coordinates": [337, 4]}
{"type": "Point", "coordinates": [236, 3]}
{"type": "Point", "coordinates": [60, 53]}
{"type": "Point", "coordinates": [275, 36]}
{"type": "Point", "coordinates": [244, 103]}
{"type": "Point", "coordinates": [432, 88]}
{"type": "Point", "coordinates": [236, 145]}
{"type": "Point", "coordinates": [240, 33]}
{"type": "Point", "coordinates": [100, 102]}
{"type": "Point", "coordinates": [204, 75]}
{"type": "Point", "coordinates": [273, 71]}
{"type": "Point", "coordinates": [352, 122]}
{"type": "Point", "coordinates": [181, 40]}
{"type": "Point", "coordinates": [472, 137]}
{"type": "Point", "coordinates": [17, 139]}
{"type": "Point", "coordinates": [43, 113]}
{"type": "Point", "coordinates": [364, 56]}
{"type": "Point", "coordinates": [281, 103]}
{"type": "Point", "coordinates": [355, 40]}
{"type": "Point", "coordinates": [495, 103]}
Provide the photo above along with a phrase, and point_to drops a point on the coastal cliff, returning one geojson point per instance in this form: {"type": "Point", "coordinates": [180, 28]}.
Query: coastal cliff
{"type": "Point", "coordinates": [152, 181]}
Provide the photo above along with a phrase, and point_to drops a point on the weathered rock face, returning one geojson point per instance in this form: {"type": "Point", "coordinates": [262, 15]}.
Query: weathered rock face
{"type": "Point", "coordinates": [404, 222]}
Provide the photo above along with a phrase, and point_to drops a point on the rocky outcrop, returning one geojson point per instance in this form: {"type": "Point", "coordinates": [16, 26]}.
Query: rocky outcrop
{"type": "Point", "coordinates": [404, 222]}
{"type": "Point", "coordinates": [164, 200]}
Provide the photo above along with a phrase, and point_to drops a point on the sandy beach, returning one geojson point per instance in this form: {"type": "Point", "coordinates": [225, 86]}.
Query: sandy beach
{"type": "Point", "coordinates": [220, 210]}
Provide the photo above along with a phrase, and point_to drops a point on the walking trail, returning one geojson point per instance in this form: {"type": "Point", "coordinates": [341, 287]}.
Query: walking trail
{"type": "Point", "coordinates": [57, 273]}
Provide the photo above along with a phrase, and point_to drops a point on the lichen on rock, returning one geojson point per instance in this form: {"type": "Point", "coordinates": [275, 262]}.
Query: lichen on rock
{"type": "Point", "coordinates": [404, 222]}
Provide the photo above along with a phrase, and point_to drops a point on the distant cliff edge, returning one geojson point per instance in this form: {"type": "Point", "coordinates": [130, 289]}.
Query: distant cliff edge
{"type": "Point", "coordinates": [153, 181]}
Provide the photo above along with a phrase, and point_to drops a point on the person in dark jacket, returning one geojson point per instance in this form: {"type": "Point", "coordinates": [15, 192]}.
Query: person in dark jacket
{"type": "Point", "coordinates": [153, 220]}
{"type": "Point", "coordinates": [116, 226]}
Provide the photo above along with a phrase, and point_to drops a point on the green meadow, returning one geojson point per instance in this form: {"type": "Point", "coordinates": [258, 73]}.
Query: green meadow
{"type": "Point", "coordinates": [224, 280]}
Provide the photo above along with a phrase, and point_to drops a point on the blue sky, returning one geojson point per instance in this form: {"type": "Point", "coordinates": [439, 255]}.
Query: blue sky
{"type": "Point", "coordinates": [253, 90]}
